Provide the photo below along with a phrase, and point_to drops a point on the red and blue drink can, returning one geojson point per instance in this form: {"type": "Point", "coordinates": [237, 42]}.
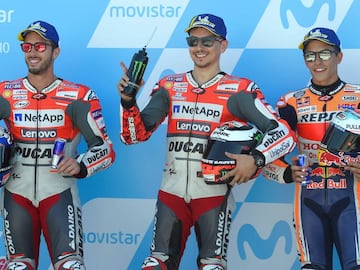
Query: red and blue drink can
{"type": "Point", "coordinates": [303, 162]}
{"type": "Point", "coordinates": [58, 152]}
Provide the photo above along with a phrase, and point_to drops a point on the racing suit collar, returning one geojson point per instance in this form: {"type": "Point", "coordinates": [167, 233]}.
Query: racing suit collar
{"type": "Point", "coordinates": [209, 83]}
{"type": "Point", "coordinates": [53, 85]}
{"type": "Point", "coordinates": [331, 89]}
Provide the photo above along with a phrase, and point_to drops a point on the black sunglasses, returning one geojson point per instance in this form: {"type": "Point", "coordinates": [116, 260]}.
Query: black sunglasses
{"type": "Point", "coordinates": [205, 41]}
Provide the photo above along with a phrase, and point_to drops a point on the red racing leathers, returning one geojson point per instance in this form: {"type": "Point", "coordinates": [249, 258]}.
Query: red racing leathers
{"type": "Point", "coordinates": [184, 199]}
{"type": "Point", "coordinates": [326, 211]}
{"type": "Point", "coordinates": [35, 198]}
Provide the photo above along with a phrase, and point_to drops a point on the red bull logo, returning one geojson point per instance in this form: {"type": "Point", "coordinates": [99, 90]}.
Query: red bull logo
{"type": "Point", "coordinates": [327, 172]}
{"type": "Point", "coordinates": [330, 184]}
{"type": "Point", "coordinates": [318, 171]}
{"type": "Point", "coordinates": [349, 157]}
{"type": "Point", "coordinates": [331, 171]}
{"type": "Point", "coordinates": [316, 185]}
{"type": "Point", "coordinates": [326, 158]}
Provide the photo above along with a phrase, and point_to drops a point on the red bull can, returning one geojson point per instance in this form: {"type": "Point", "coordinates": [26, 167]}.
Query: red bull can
{"type": "Point", "coordinates": [58, 152]}
{"type": "Point", "coordinates": [303, 162]}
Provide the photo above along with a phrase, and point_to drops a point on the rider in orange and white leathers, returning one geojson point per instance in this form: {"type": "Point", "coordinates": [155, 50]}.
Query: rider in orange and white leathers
{"type": "Point", "coordinates": [332, 193]}
{"type": "Point", "coordinates": [184, 199]}
{"type": "Point", "coordinates": [326, 210]}
{"type": "Point", "coordinates": [37, 199]}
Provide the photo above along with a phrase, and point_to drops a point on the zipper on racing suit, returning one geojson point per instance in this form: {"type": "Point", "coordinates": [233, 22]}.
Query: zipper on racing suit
{"type": "Point", "coordinates": [326, 94]}
{"type": "Point", "coordinates": [186, 197]}
{"type": "Point", "coordinates": [326, 168]}
{"type": "Point", "coordinates": [36, 147]}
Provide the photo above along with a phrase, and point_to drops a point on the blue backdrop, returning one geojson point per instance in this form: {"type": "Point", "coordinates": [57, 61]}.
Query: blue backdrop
{"type": "Point", "coordinates": [95, 36]}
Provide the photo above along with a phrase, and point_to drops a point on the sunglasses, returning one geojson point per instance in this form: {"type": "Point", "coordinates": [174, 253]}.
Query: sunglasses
{"type": "Point", "coordinates": [39, 46]}
{"type": "Point", "coordinates": [205, 41]}
{"type": "Point", "coordinates": [323, 55]}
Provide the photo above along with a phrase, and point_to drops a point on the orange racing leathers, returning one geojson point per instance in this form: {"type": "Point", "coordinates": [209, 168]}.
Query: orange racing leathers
{"type": "Point", "coordinates": [326, 211]}
{"type": "Point", "coordinates": [184, 199]}
{"type": "Point", "coordinates": [35, 198]}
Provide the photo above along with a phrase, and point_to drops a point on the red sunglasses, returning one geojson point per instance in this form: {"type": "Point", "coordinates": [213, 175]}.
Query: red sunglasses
{"type": "Point", "coordinates": [39, 46]}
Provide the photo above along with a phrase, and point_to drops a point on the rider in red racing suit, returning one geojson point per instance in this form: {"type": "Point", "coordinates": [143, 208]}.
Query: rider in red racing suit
{"type": "Point", "coordinates": [326, 211]}
{"type": "Point", "coordinates": [37, 199]}
{"type": "Point", "coordinates": [193, 110]}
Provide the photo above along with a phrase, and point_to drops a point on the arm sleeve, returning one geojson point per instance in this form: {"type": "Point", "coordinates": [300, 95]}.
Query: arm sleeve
{"type": "Point", "coordinates": [4, 108]}
{"type": "Point", "coordinates": [280, 169]}
{"type": "Point", "coordinates": [138, 126]}
{"type": "Point", "coordinates": [86, 115]}
{"type": "Point", "coordinates": [250, 105]}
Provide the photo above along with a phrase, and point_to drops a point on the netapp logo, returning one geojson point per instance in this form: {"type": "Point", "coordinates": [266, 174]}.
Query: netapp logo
{"type": "Point", "coordinates": [43, 118]}
{"type": "Point", "coordinates": [197, 111]}
{"type": "Point", "coordinates": [193, 126]}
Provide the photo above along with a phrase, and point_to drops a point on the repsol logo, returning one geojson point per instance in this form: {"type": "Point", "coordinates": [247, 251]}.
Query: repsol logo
{"type": "Point", "coordinates": [26, 133]}
{"type": "Point", "coordinates": [97, 156]}
{"type": "Point", "coordinates": [317, 117]}
{"type": "Point", "coordinates": [196, 111]}
{"type": "Point", "coordinates": [27, 152]}
{"type": "Point", "coordinates": [187, 147]}
{"type": "Point", "coordinates": [274, 137]}
{"type": "Point", "coordinates": [193, 126]}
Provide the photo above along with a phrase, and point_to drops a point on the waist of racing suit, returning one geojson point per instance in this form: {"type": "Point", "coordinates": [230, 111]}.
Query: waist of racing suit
{"type": "Point", "coordinates": [182, 174]}
{"type": "Point", "coordinates": [32, 176]}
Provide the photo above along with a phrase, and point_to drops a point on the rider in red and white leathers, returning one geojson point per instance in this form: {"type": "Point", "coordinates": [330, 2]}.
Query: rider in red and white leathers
{"type": "Point", "coordinates": [38, 199]}
{"type": "Point", "coordinates": [35, 120]}
{"type": "Point", "coordinates": [193, 111]}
